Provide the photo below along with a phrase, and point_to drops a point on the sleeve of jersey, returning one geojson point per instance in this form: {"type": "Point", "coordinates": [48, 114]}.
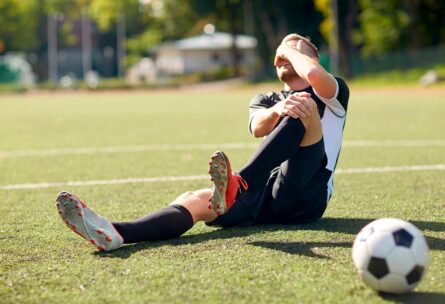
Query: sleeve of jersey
{"type": "Point", "coordinates": [333, 103]}
{"type": "Point", "coordinates": [258, 102]}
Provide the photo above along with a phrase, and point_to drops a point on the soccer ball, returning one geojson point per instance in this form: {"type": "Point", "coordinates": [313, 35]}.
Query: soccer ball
{"type": "Point", "coordinates": [390, 255]}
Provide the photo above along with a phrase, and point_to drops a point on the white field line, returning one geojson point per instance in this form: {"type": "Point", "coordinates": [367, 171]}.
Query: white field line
{"type": "Point", "coordinates": [123, 149]}
{"type": "Point", "coordinates": [202, 177]}
{"type": "Point", "coordinates": [188, 147]}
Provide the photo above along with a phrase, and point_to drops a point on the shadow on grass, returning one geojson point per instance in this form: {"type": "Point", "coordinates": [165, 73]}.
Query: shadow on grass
{"type": "Point", "coordinates": [415, 297]}
{"type": "Point", "coordinates": [354, 225]}
{"type": "Point", "coordinates": [308, 249]}
{"type": "Point", "coordinates": [337, 225]}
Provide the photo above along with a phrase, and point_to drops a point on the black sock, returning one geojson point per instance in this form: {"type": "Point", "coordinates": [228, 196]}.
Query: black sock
{"type": "Point", "coordinates": [167, 223]}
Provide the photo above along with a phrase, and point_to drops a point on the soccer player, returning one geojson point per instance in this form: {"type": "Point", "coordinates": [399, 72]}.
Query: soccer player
{"type": "Point", "coordinates": [288, 180]}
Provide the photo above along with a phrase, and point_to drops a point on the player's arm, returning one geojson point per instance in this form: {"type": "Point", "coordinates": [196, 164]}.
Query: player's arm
{"type": "Point", "coordinates": [263, 122]}
{"type": "Point", "coordinates": [296, 105]}
{"type": "Point", "coordinates": [308, 68]}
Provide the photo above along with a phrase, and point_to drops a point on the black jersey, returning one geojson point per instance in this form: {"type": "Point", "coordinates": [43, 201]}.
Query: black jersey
{"type": "Point", "coordinates": [332, 113]}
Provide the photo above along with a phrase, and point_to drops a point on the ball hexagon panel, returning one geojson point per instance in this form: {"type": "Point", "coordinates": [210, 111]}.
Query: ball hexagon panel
{"type": "Point", "coordinates": [419, 250]}
{"type": "Point", "coordinates": [369, 279]}
{"type": "Point", "coordinates": [380, 243]}
{"type": "Point", "coordinates": [394, 283]}
{"type": "Point", "coordinates": [360, 254]}
{"type": "Point", "coordinates": [365, 233]}
{"type": "Point", "coordinates": [387, 224]}
{"type": "Point", "coordinates": [378, 267]}
{"type": "Point", "coordinates": [400, 260]}
{"type": "Point", "coordinates": [403, 238]}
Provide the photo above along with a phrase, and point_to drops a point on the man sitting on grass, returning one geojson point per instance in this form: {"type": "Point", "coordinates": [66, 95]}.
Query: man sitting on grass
{"type": "Point", "coordinates": [288, 180]}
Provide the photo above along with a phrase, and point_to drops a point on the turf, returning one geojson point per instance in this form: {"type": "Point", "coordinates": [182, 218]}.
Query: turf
{"type": "Point", "coordinates": [43, 262]}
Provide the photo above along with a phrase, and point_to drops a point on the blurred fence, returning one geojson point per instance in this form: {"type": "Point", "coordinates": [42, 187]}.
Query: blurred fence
{"type": "Point", "coordinates": [398, 60]}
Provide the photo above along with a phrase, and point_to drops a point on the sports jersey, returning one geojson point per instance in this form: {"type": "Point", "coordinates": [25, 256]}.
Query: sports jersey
{"type": "Point", "coordinates": [332, 113]}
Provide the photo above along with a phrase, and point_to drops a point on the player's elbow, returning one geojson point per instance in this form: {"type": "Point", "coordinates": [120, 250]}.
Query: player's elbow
{"type": "Point", "coordinates": [257, 133]}
{"type": "Point", "coordinates": [314, 75]}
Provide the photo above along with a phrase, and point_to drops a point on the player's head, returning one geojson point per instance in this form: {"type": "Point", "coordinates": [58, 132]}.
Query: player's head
{"type": "Point", "coordinates": [285, 70]}
{"type": "Point", "coordinates": [303, 44]}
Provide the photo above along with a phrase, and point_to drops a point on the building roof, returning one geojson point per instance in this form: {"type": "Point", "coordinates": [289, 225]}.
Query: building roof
{"type": "Point", "coordinates": [216, 40]}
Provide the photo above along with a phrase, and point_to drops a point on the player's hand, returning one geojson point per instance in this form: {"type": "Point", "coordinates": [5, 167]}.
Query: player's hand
{"type": "Point", "coordinates": [281, 54]}
{"type": "Point", "coordinates": [297, 105]}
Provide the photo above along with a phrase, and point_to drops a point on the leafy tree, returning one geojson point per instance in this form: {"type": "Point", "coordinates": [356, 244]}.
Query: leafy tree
{"type": "Point", "coordinates": [382, 23]}
{"type": "Point", "coordinates": [18, 29]}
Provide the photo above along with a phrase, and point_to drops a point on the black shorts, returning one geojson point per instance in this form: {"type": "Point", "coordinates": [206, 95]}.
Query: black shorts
{"type": "Point", "coordinates": [294, 193]}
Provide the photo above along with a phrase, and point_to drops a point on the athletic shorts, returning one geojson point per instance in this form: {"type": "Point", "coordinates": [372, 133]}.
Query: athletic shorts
{"type": "Point", "coordinates": [298, 196]}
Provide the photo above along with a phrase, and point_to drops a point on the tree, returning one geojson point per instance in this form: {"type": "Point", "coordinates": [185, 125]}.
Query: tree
{"type": "Point", "coordinates": [386, 25]}
{"type": "Point", "coordinates": [18, 30]}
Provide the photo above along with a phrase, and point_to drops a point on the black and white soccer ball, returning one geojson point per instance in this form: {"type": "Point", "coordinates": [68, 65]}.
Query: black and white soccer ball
{"type": "Point", "coordinates": [390, 255]}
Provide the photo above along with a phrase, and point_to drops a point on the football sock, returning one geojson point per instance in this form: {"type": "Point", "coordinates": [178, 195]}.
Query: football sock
{"type": "Point", "coordinates": [279, 145]}
{"type": "Point", "coordinates": [167, 223]}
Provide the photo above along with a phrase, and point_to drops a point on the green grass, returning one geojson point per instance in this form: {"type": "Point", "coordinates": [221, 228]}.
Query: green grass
{"type": "Point", "coordinates": [407, 77]}
{"type": "Point", "coordinates": [43, 262]}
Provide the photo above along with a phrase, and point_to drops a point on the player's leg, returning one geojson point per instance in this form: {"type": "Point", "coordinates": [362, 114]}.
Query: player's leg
{"type": "Point", "coordinates": [300, 189]}
{"type": "Point", "coordinates": [276, 148]}
{"type": "Point", "coordinates": [280, 145]}
{"type": "Point", "coordinates": [167, 223]}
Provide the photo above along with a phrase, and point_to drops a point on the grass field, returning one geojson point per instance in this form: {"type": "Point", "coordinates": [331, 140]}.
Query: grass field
{"type": "Point", "coordinates": [43, 262]}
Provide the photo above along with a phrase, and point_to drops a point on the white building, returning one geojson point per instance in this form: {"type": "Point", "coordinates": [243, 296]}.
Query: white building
{"type": "Point", "coordinates": [203, 53]}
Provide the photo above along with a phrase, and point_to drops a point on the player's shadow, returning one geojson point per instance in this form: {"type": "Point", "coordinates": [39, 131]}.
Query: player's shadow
{"type": "Point", "coordinates": [415, 297]}
{"type": "Point", "coordinates": [309, 249]}
{"type": "Point", "coordinates": [349, 226]}
{"type": "Point", "coordinates": [354, 225]}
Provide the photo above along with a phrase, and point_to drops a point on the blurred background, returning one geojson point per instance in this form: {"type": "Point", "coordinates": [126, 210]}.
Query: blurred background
{"type": "Point", "coordinates": [153, 43]}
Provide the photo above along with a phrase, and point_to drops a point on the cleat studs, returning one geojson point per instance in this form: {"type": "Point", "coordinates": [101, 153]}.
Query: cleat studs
{"type": "Point", "coordinates": [80, 214]}
{"type": "Point", "coordinates": [222, 171]}
{"type": "Point", "coordinates": [77, 206]}
{"type": "Point", "coordinates": [74, 227]}
{"type": "Point", "coordinates": [99, 231]}
{"type": "Point", "coordinates": [67, 222]}
{"type": "Point", "coordinates": [108, 238]}
{"type": "Point", "coordinates": [217, 206]}
{"type": "Point", "coordinates": [100, 247]}
{"type": "Point", "coordinates": [93, 242]}
{"type": "Point", "coordinates": [71, 199]}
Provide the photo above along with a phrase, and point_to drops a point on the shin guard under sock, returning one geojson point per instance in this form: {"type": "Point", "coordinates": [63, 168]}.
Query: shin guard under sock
{"type": "Point", "coordinates": [167, 223]}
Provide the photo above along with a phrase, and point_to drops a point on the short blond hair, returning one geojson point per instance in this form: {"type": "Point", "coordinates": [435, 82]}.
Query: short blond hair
{"type": "Point", "coordinates": [296, 37]}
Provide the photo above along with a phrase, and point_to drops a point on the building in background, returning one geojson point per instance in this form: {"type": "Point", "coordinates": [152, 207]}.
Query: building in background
{"type": "Point", "coordinates": [203, 53]}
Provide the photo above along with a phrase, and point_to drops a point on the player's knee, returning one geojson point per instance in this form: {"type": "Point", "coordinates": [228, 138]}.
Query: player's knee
{"type": "Point", "coordinates": [313, 121]}
{"type": "Point", "coordinates": [183, 198]}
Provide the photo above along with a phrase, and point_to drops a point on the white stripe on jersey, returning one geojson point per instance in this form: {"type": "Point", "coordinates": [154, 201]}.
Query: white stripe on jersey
{"type": "Point", "coordinates": [332, 122]}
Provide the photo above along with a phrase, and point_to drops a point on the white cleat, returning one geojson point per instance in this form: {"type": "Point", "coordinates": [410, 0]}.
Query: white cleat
{"type": "Point", "coordinates": [86, 223]}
